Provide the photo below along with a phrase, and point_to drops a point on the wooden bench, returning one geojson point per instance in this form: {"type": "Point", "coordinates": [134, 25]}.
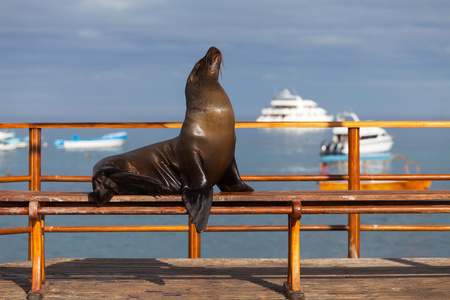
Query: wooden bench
{"type": "Point", "coordinates": [38, 204]}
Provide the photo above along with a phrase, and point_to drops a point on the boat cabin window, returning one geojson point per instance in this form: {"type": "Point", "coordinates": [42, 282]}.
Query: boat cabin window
{"type": "Point", "coordinates": [365, 137]}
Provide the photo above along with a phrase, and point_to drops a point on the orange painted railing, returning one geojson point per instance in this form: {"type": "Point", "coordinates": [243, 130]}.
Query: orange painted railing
{"type": "Point", "coordinates": [35, 177]}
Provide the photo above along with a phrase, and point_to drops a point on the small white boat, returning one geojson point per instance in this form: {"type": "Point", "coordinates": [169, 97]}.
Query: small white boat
{"type": "Point", "coordinates": [18, 142]}
{"type": "Point", "coordinates": [372, 139]}
{"type": "Point", "coordinates": [8, 141]}
{"type": "Point", "coordinates": [4, 146]}
{"type": "Point", "coordinates": [112, 140]}
{"type": "Point", "coordinates": [6, 135]}
{"type": "Point", "coordinates": [287, 107]}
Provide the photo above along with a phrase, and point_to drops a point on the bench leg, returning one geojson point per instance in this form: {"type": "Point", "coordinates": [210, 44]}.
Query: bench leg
{"type": "Point", "coordinates": [36, 256]}
{"type": "Point", "coordinates": [194, 241]}
{"type": "Point", "coordinates": [292, 286]}
{"type": "Point", "coordinates": [43, 250]}
{"type": "Point", "coordinates": [37, 252]}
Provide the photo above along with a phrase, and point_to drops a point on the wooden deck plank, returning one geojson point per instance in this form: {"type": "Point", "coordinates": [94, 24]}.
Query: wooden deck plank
{"type": "Point", "coordinates": [69, 278]}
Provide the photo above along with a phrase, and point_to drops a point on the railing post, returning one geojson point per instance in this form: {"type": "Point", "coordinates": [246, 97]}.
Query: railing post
{"type": "Point", "coordinates": [194, 241]}
{"type": "Point", "coordinates": [35, 159]}
{"type": "Point", "coordinates": [34, 170]}
{"type": "Point", "coordinates": [353, 184]}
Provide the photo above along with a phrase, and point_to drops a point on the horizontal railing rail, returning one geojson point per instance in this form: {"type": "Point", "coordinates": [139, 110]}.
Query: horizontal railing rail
{"type": "Point", "coordinates": [69, 178]}
{"type": "Point", "coordinates": [348, 124]}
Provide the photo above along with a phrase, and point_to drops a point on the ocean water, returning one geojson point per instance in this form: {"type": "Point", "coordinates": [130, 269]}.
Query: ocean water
{"type": "Point", "coordinates": [258, 151]}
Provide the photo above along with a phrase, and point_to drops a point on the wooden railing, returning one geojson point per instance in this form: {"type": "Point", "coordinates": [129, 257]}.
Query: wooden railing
{"type": "Point", "coordinates": [353, 227]}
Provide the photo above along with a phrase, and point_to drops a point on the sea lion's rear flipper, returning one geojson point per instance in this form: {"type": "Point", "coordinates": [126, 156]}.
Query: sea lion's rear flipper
{"type": "Point", "coordinates": [110, 181]}
{"type": "Point", "coordinates": [103, 188]}
{"type": "Point", "coordinates": [232, 182]}
{"type": "Point", "coordinates": [196, 192]}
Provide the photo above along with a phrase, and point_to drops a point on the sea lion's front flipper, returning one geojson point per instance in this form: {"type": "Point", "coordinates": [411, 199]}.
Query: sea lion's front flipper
{"type": "Point", "coordinates": [197, 193]}
{"type": "Point", "coordinates": [198, 204]}
{"type": "Point", "coordinates": [232, 182]}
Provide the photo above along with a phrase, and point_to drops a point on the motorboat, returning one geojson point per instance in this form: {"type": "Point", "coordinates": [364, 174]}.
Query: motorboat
{"type": "Point", "coordinates": [4, 146]}
{"type": "Point", "coordinates": [372, 139]}
{"type": "Point", "coordinates": [370, 164]}
{"type": "Point", "coordinates": [112, 140]}
{"type": "Point", "coordinates": [8, 141]}
{"type": "Point", "coordinates": [6, 135]}
{"type": "Point", "coordinates": [287, 107]}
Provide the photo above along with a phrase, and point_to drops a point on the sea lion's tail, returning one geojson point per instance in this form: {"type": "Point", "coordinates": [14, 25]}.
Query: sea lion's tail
{"type": "Point", "coordinates": [198, 203]}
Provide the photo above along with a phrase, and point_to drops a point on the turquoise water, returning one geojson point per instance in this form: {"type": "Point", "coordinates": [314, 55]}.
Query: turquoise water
{"type": "Point", "coordinates": [258, 151]}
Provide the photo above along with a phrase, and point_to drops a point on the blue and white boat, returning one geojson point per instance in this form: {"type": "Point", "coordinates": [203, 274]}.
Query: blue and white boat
{"type": "Point", "coordinates": [112, 140]}
{"type": "Point", "coordinates": [8, 141]}
{"type": "Point", "coordinates": [6, 135]}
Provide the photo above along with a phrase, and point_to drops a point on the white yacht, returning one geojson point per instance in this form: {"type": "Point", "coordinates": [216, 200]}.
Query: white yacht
{"type": "Point", "coordinates": [372, 139]}
{"type": "Point", "coordinates": [287, 107]}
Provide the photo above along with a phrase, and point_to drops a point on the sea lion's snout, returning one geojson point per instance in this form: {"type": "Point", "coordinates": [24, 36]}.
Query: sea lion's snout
{"type": "Point", "coordinates": [213, 50]}
{"type": "Point", "coordinates": [214, 58]}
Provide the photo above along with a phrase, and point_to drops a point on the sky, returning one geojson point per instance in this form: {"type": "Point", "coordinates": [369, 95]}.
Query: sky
{"type": "Point", "coordinates": [128, 61]}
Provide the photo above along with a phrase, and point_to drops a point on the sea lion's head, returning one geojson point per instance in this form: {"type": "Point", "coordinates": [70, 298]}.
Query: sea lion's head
{"type": "Point", "coordinates": [207, 68]}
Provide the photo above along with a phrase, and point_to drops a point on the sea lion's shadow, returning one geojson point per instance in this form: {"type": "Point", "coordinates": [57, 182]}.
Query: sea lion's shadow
{"type": "Point", "coordinates": [154, 271]}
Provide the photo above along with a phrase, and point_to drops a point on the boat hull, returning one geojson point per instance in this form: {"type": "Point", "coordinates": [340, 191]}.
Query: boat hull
{"type": "Point", "coordinates": [7, 147]}
{"type": "Point", "coordinates": [378, 185]}
{"type": "Point", "coordinates": [94, 144]}
{"type": "Point", "coordinates": [383, 144]}
{"type": "Point", "coordinates": [269, 118]}
{"type": "Point", "coordinates": [112, 140]}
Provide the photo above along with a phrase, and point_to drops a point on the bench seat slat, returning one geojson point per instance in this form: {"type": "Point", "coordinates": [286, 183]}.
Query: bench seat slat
{"type": "Point", "coordinates": [269, 196]}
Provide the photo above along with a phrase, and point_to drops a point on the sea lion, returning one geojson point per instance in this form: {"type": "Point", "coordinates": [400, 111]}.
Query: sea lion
{"type": "Point", "coordinates": [190, 164]}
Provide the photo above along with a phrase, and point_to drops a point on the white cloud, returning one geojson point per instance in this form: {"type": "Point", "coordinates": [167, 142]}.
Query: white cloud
{"type": "Point", "coordinates": [446, 50]}
{"type": "Point", "coordinates": [109, 75]}
{"type": "Point", "coordinates": [117, 5]}
{"type": "Point", "coordinates": [411, 84]}
{"type": "Point", "coordinates": [334, 40]}
{"type": "Point", "coordinates": [88, 33]}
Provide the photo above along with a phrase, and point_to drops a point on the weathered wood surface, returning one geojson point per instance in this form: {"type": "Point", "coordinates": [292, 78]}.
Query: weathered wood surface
{"type": "Point", "coordinates": [307, 197]}
{"type": "Point", "coordinates": [367, 278]}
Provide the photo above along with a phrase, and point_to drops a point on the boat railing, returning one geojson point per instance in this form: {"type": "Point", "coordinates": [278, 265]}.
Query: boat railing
{"type": "Point", "coordinates": [411, 163]}
{"type": "Point", "coordinates": [35, 178]}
